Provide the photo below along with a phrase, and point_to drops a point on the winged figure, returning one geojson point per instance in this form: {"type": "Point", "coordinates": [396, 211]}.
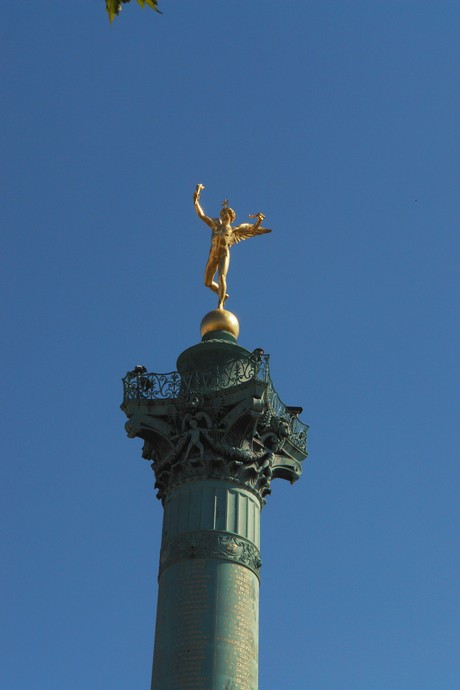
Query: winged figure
{"type": "Point", "coordinates": [224, 236]}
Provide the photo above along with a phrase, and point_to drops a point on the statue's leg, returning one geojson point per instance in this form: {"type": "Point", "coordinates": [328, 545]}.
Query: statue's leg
{"type": "Point", "coordinates": [209, 272]}
{"type": "Point", "coordinates": [223, 269]}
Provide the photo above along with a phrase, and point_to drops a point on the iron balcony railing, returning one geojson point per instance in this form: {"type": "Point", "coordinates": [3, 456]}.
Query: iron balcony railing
{"type": "Point", "coordinates": [255, 367]}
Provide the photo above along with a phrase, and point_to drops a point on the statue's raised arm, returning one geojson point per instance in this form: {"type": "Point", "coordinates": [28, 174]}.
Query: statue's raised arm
{"type": "Point", "coordinates": [246, 230]}
{"type": "Point", "coordinates": [200, 213]}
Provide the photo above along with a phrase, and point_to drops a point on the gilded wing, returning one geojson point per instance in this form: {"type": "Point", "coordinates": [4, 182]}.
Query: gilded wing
{"type": "Point", "coordinates": [246, 230]}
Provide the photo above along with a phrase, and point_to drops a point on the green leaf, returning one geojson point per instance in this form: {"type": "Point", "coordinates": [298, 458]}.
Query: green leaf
{"type": "Point", "coordinates": [113, 7]}
{"type": "Point", "coordinates": [153, 4]}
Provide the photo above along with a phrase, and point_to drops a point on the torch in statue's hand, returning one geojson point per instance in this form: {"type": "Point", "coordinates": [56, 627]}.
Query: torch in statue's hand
{"type": "Point", "coordinates": [198, 189]}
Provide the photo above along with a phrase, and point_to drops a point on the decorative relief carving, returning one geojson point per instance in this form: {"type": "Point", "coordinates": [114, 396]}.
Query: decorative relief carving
{"type": "Point", "coordinates": [199, 451]}
{"type": "Point", "coordinates": [211, 544]}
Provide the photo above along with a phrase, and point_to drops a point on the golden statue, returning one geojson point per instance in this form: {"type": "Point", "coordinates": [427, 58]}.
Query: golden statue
{"type": "Point", "coordinates": [224, 236]}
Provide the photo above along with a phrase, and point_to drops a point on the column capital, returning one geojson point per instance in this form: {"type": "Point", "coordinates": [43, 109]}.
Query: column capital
{"type": "Point", "coordinates": [219, 419]}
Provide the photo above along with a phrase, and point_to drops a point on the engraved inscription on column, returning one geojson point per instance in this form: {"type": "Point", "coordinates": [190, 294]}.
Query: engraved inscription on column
{"type": "Point", "coordinates": [183, 655]}
{"type": "Point", "coordinates": [207, 627]}
{"type": "Point", "coordinates": [190, 634]}
{"type": "Point", "coordinates": [237, 626]}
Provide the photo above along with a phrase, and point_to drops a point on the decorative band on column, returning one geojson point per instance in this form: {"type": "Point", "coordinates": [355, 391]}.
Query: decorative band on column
{"type": "Point", "coordinates": [211, 544]}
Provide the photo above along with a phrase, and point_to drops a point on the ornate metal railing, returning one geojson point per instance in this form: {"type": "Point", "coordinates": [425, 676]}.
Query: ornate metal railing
{"type": "Point", "coordinates": [231, 374]}
{"type": "Point", "coordinates": [151, 386]}
{"type": "Point", "coordinates": [255, 367]}
{"type": "Point", "coordinates": [146, 386]}
{"type": "Point", "coordinates": [297, 429]}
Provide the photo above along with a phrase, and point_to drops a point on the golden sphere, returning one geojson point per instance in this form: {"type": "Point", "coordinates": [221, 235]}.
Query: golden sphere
{"type": "Point", "coordinates": [220, 320]}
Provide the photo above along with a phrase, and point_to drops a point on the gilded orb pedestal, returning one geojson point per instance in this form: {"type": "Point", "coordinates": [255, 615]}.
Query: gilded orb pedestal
{"type": "Point", "coordinates": [217, 434]}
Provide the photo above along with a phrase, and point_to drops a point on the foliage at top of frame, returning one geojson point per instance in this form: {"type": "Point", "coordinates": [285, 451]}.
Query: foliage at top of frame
{"type": "Point", "coordinates": [114, 7]}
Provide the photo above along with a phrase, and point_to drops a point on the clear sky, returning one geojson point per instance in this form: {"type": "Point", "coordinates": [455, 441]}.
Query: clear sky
{"type": "Point", "coordinates": [338, 120]}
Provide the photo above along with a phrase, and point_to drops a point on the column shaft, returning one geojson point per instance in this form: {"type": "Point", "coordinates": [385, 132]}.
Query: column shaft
{"type": "Point", "coordinates": [208, 599]}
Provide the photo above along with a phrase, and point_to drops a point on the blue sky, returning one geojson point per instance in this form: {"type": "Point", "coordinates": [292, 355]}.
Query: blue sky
{"type": "Point", "coordinates": [338, 120]}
